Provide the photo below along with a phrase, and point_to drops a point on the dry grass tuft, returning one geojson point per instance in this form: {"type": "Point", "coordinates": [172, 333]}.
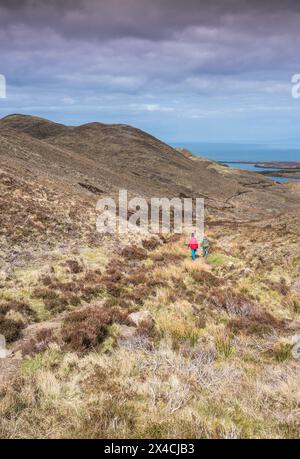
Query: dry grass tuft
{"type": "Point", "coordinates": [191, 266]}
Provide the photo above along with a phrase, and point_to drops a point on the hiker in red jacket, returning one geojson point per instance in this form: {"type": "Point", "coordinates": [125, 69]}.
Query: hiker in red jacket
{"type": "Point", "coordinates": [193, 245]}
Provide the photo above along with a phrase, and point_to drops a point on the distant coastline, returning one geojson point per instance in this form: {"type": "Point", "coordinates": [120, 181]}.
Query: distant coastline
{"type": "Point", "coordinates": [269, 164]}
{"type": "Point", "coordinates": [261, 159]}
{"type": "Point", "coordinates": [247, 154]}
{"type": "Point", "coordinates": [287, 173]}
{"type": "Point", "coordinates": [279, 171]}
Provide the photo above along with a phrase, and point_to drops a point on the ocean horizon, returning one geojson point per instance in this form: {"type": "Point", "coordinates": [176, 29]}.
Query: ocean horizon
{"type": "Point", "coordinates": [233, 152]}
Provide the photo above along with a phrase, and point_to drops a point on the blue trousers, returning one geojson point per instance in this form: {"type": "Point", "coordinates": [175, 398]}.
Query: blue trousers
{"type": "Point", "coordinates": [193, 253]}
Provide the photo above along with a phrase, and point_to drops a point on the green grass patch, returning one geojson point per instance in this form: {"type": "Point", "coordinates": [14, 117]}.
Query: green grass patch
{"type": "Point", "coordinates": [94, 256]}
{"type": "Point", "coordinates": [44, 361]}
{"type": "Point", "coordinates": [220, 259]}
{"type": "Point", "coordinates": [216, 259]}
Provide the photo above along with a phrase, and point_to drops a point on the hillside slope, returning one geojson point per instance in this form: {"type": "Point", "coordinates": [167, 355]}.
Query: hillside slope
{"type": "Point", "coordinates": [109, 157]}
{"type": "Point", "coordinates": [127, 337]}
{"type": "Point", "coordinates": [149, 344]}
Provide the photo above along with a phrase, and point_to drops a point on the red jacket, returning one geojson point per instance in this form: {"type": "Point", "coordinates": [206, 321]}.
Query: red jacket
{"type": "Point", "coordinates": [193, 244]}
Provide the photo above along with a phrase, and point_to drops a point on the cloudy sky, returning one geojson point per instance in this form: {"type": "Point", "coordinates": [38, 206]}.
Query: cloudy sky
{"type": "Point", "coordinates": [184, 70]}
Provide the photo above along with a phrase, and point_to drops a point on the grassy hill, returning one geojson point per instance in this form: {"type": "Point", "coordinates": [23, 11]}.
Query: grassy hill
{"type": "Point", "coordinates": [128, 338]}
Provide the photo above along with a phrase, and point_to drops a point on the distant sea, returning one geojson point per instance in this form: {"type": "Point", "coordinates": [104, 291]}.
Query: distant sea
{"type": "Point", "coordinates": [237, 153]}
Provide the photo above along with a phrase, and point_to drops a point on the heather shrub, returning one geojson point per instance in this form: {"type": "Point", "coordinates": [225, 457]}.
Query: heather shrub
{"type": "Point", "coordinates": [137, 278]}
{"type": "Point", "coordinates": [138, 294]}
{"type": "Point", "coordinates": [259, 324]}
{"type": "Point", "coordinates": [4, 308]}
{"type": "Point", "coordinates": [73, 287]}
{"type": "Point", "coordinates": [46, 280]}
{"type": "Point", "coordinates": [206, 278]}
{"type": "Point", "coordinates": [11, 329]}
{"type": "Point", "coordinates": [17, 306]}
{"type": "Point", "coordinates": [113, 275]}
{"type": "Point", "coordinates": [92, 276]}
{"type": "Point", "coordinates": [175, 237]}
{"type": "Point", "coordinates": [124, 304]}
{"type": "Point", "coordinates": [45, 294]}
{"type": "Point", "coordinates": [233, 302]}
{"type": "Point", "coordinates": [164, 259]}
{"type": "Point", "coordinates": [134, 253]}
{"type": "Point", "coordinates": [56, 305]}
{"type": "Point", "coordinates": [89, 292]}
{"type": "Point", "coordinates": [280, 286]}
{"type": "Point", "coordinates": [39, 343]}
{"type": "Point", "coordinates": [73, 300]}
{"type": "Point", "coordinates": [85, 329]}
{"type": "Point", "coordinates": [114, 280]}
{"type": "Point", "coordinates": [115, 265]}
{"type": "Point", "coordinates": [74, 266]}
{"type": "Point", "coordinates": [150, 244]}
{"type": "Point", "coordinates": [112, 288]}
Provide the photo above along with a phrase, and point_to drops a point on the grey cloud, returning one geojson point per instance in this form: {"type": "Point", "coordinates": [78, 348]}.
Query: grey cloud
{"type": "Point", "coordinates": [146, 19]}
{"type": "Point", "coordinates": [155, 56]}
